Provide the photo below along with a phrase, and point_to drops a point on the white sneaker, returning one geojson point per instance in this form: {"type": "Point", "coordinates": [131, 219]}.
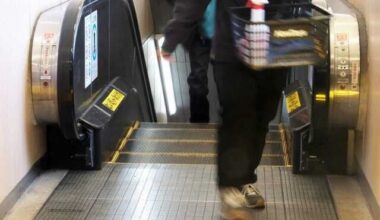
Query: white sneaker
{"type": "Point", "coordinates": [253, 197]}
{"type": "Point", "coordinates": [233, 204]}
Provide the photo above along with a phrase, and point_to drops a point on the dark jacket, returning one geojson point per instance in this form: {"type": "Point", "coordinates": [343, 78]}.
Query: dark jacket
{"type": "Point", "coordinates": [186, 16]}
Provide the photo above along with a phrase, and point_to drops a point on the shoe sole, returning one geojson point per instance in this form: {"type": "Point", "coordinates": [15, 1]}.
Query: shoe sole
{"type": "Point", "coordinates": [259, 205]}
{"type": "Point", "coordinates": [236, 214]}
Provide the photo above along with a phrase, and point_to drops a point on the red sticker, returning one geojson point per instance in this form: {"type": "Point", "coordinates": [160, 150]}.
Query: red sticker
{"type": "Point", "coordinates": [341, 37]}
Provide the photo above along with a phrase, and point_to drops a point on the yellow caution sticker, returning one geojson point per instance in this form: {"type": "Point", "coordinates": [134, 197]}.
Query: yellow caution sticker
{"type": "Point", "coordinates": [113, 100]}
{"type": "Point", "coordinates": [293, 102]}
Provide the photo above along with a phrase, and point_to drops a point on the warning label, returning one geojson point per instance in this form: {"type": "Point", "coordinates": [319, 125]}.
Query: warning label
{"type": "Point", "coordinates": [113, 100]}
{"type": "Point", "coordinates": [91, 48]}
{"type": "Point", "coordinates": [293, 102]}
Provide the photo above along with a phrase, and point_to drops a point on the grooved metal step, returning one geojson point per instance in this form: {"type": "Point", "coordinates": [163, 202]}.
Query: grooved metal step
{"type": "Point", "coordinates": [179, 143]}
{"type": "Point", "coordinates": [177, 125]}
{"type": "Point", "coordinates": [181, 191]}
{"type": "Point", "coordinates": [272, 127]}
{"type": "Point", "coordinates": [274, 149]}
{"type": "Point", "coordinates": [167, 158]}
{"type": "Point", "coordinates": [186, 147]}
{"type": "Point", "coordinates": [274, 136]}
{"type": "Point", "coordinates": [199, 135]}
{"type": "Point", "coordinates": [268, 160]}
{"type": "Point", "coordinates": [206, 135]}
{"type": "Point", "coordinates": [186, 158]}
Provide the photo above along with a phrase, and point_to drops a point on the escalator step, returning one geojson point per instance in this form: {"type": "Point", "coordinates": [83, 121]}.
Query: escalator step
{"type": "Point", "coordinates": [272, 127]}
{"type": "Point", "coordinates": [272, 161]}
{"type": "Point", "coordinates": [199, 135]}
{"type": "Point", "coordinates": [273, 149]}
{"type": "Point", "coordinates": [185, 158]}
{"type": "Point", "coordinates": [175, 134]}
{"type": "Point", "coordinates": [178, 125]}
{"type": "Point", "coordinates": [187, 147]}
{"type": "Point", "coordinates": [167, 158]}
{"type": "Point", "coordinates": [273, 136]}
{"type": "Point", "coordinates": [180, 143]}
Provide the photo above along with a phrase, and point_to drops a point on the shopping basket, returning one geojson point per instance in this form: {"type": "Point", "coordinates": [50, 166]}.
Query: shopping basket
{"type": "Point", "coordinates": [292, 35]}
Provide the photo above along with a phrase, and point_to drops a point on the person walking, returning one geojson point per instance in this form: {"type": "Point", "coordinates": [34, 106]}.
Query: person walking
{"type": "Point", "coordinates": [248, 100]}
{"type": "Point", "coordinates": [198, 44]}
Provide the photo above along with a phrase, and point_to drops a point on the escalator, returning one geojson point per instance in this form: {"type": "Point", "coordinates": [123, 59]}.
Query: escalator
{"type": "Point", "coordinates": [150, 170]}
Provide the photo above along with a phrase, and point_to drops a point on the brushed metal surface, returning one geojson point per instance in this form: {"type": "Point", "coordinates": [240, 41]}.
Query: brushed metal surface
{"type": "Point", "coordinates": [345, 71]}
{"type": "Point", "coordinates": [44, 63]}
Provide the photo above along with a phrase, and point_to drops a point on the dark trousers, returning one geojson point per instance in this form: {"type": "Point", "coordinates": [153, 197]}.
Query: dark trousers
{"type": "Point", "coordinates": [249, 101]}
{"type": "Point", "coordinates": [199, 53]}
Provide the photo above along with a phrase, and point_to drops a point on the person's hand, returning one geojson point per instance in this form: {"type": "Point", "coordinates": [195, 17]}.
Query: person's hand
{"type": "Point", "coordinates": [166, 55]}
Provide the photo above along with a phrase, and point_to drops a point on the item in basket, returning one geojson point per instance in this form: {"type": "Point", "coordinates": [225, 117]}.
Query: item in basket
{"type": "Point", "coordinates": [242, 46]}
{"type": "Point", "coordinates": [292, 50]}
{"type": "Point", "coordinates": [293, 43]}
{"type": "Point", "coordinates": [291, 46]}
{"type": "Point", "coordinates": [302, 49]}
{"type": "Point", "coordinates": [257, 35]}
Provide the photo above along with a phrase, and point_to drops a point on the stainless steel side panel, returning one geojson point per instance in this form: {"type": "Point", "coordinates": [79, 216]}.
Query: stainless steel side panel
{"type": "Point", "coordinates": [44, 61]}
{"type": "Point", "coordinates": [345, 71]}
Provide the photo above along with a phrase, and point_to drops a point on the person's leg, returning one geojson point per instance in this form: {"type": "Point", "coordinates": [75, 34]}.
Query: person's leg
{"type": "Point", "coordinates": [271, 83]}
{"type": "Point", "coordinates": [238, 91]}
{"type": "Point", "coordinates": [270, 86]}
{"type": "Point", "coordinates": [199, 53]}
{"type": "Point", "coordinates": [249, 101]}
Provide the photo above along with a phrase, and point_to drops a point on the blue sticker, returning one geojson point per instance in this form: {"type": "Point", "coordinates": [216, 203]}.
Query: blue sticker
{"type": "Point", "coordinates": [91, 48]}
